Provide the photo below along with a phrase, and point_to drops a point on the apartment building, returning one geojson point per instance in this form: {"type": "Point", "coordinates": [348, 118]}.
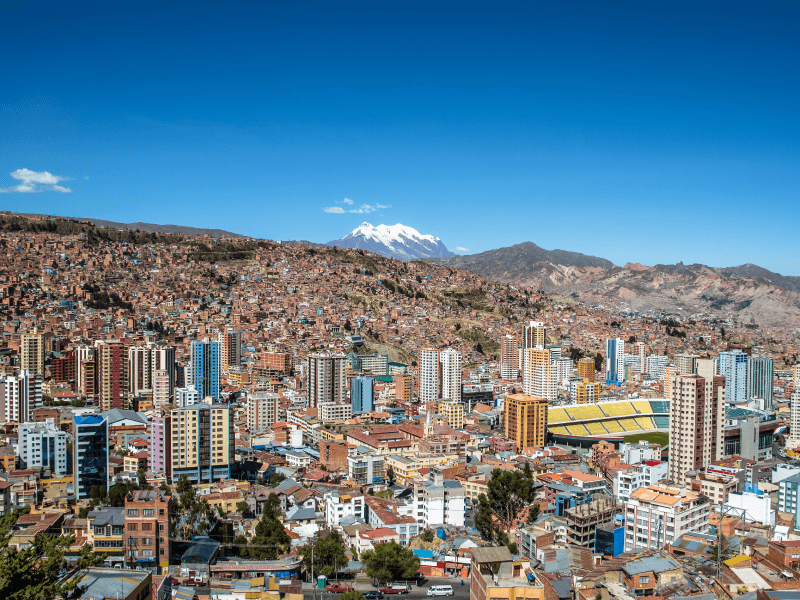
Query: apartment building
{"type": "Point", "coordinates": [140, 370]}
{"type": "Point", "coordinates": [361, 394]}
{"type": "Point", "coordinates": [160, 446]}
{"type": "Point", "coordinates": [19, 396]}
{"type": "Point", "coordinates": [262, 410]}
{"type": "Point", "coordinates": [205, 368]}
{"type": "Point", "coordinates": [525, 420]}
{"type": "Point", "coordinates": [326, 379]}
{"type": "Point", "coordinates": [32, 352]}
{"type": "Point", "coordinates": [453, 411]}
{"type": "Point", "coordinates": [147, 540]}
{"type": "Point", "coordinates": [43, 445]}
{"type": "Point", "coordinates": [329, 411]}
{"type": "Point", "coordinates": [343, 503]}
{"type": "Point", "coordinates": [230, 342]}
{"type": "Point", "coordinates": [656, 516]}
{"type": "Point", "coordinates": [439, 502]}
{"type": "Point", "coordinates": [366, 469]}
{"type": "Point", "coordinates": [582, 520]}
{"type": "Point", "coordinates": [696, 423]}
{"type": "Point", "coordinates": [429, 375]}
{"type": "Point", "coordinates": [450, 374]}
{"type": "Point", "coordinates": [715, 486]}
{"type": "Point", "coordinates": [186, 396]}
{"type": "Point", "coordinates": [202, 442]}
{"type": "Point", "coordinates": [642, 475]}
{"type": "Point", "coordinates": [112, 375]}
{"type": "Point", "coordinates": [509, 358]}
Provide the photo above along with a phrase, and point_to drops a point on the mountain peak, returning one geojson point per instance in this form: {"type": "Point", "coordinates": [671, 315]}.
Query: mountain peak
{"type": "Point", "coordinates": [396, 241]}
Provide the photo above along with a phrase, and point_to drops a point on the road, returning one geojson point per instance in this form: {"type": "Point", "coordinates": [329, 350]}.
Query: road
{"type": "Point", "coordinates": [417, 593]}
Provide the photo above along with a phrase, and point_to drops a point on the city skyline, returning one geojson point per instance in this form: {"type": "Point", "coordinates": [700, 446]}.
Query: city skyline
{"type": "Point", "coordinates": [642, 134]}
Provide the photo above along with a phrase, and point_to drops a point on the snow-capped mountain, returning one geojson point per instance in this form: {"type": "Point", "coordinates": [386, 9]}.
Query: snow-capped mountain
{"type": "Point", "coordinates": [396, 241]}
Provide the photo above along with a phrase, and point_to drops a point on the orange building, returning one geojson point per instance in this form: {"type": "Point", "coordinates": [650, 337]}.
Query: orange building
{"type": "Point", "coordinates": [525, 420]}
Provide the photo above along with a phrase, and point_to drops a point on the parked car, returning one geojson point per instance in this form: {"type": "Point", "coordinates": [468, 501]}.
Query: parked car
{"type": "Point", "coordinates": [440, 590]}
{"type": "Point", "coordinates": [394, 589]}
{"type": "Point", "coordinates": [373, 595]}
{"type": "Point", "coordinates": [338, 588]}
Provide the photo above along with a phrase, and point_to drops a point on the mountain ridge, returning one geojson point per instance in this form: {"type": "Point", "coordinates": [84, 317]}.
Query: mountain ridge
{"type": "Point", "coordinates": [394, 241]}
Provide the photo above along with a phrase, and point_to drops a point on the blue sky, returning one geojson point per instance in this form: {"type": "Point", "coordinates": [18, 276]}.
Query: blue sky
{"type": "Point", "coordinates": [649, 132]}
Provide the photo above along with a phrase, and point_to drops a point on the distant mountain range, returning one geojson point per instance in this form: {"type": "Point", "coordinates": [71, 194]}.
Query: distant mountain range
{"type": "Point", "coordinates": [149, 227]}
{"type": "Point", "coordinates": [747, 293]}
{"type": "Point", "coordinates": [395, 241]}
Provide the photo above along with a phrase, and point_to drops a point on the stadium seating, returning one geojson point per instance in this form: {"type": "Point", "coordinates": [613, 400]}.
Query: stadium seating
{"type": "Point", "coordinates": [660, 406]}
{"type": "Point", "coordinates": [596, 428]}
{"type": "Point", "coordinates": [558, 430]}
{"type": "Point", "coordinates": [613, 426]}
{"type": "Point", "coordinates": [645, 422]}
{"type": "Point", "coordinates": [588, 411]}
{"type": "Point", "coordinates": [557, 415]}
{"type": "Point", "coordinates": [629, 425]}
{"type": "Point", "coordinates": [617, 409]}
{"type": "Point", "coordinates": [577, 430]}
{"type": "Point", "coordinates": [642, 407]}
{"type": "Point", "coordinates": [662, 421]}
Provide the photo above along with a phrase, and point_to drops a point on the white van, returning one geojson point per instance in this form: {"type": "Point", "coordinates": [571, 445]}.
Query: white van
{"type": "Point", "coordinates": [440, 590]}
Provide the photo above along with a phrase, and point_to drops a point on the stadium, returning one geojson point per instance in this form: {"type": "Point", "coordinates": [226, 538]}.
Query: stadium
{"type": "Point", "coordinates": [586, 424]}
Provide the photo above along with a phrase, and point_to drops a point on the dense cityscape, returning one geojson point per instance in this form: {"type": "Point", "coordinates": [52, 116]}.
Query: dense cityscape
{"type": "Point", "coordinates": [188, 416]}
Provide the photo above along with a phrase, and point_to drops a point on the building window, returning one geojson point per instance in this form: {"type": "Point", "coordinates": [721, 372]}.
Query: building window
{"type": "Point", "coordinates": [133, 512]}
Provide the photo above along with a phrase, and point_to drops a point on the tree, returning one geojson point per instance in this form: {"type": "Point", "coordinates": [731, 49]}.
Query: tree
{"type": "Point", "coordinates": [509, 491]}
{"type": "Point", "coordinates": [533, 514]}
{"type": "Point", "coordinates": [512, 547]}
{"type": "Point", "coordinates": [242, 507]}
{"type": "Point", "coordinates": [598, 362]}
{"type": "Point", "coordinates": [722, 548]}
{"type": "Point", "coordinates": [427, 535]}
{"type": "Point", "coordinates": [186, 495]}
{"type": "Point", "coordinates": [118, 491]}
{"type": "Point", "coordinates": [142, 477]}
{"type": "Point", "coordinates": [328, 553]}
{"type": "Point", "coordinates": [389, 474]}
{"type": "Point", "coordinates": [390, 562]}
{"type": "Point", "coordinates": [36, 572]}
{"type": "Point", "coordinates": [271, 538]}
{"type": "Point", "coordinates": [354, 595]}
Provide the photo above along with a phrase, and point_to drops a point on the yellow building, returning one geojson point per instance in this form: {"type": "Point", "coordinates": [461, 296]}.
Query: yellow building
{"type": "Point", "coordinates": [202, 442]}
{"type": "Point", "coordinates": [454, 413]}
{"type": "Point", "coordinates": [32, 353]}
{"type": "Point", "coordinates": [105, 530]}
{"type": "Point", "coordinates": [406, 468]}
{"type": "Point", "coordinates": [587, 392]}
{"type": "Point", "coordinates": [525, 420]}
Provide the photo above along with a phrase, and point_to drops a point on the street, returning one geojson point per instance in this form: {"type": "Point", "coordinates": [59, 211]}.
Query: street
{"type": "Point", "coordinates": [417, 593]}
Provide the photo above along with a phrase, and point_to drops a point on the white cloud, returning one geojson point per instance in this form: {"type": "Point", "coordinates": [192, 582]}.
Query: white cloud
{"type": "Point", "coordinates": [379, 206]}
{"type": "Point", "coordinates": [33, 181]}
{"type": "Point", "coordinates": [462, 249]}
{"type": "Point", "coordinates": [337, 210]}
{"type": "Point", "coordinates": [347, 201]}
{"type": "Point", "coordinates": [365, 208]}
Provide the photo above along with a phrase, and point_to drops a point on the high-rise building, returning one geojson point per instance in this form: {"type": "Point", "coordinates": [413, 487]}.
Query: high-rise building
{"type": "Point", "coordinates": [90, 454]}
{"type": "Point", "coordinates": [453, 411]}
{"type": "Point", "coordinates": [230, 342]}
{"type": "Point", "coordinates": [140, 370]}
{"type": "Point", "coordinates": [376, 364]}
{"type": "Point", "coordinates": [696, 422]}
{"type": "Point", "coordinates": [160, 446]}
{"type": "Point", "coordinates": [685, 363]}
{"type": "Point", "coordinates": [586, 392]}
{"type": "Point", "coordinates": [586, 369]}
{"type": "Point", "coordinates": [19, 395]}
{"type": "Point", "coordinates": [733, 366]}
{"type": "Point", "coordinates": [112, 375]}
{"type": "Point", "coordinates": [525, 420]}
{"type": "Point", "coordinates": [641, 350]}
{"type": "Point", "coordinates": [262, 410]}
{"type": "Point", "coordinates": [540, 377]}
{"type": "Point", "coordinates": [161, 394]}
{"type": "Point", "coordinates": [794, 417]}
{"type": "Point", "coordinates": [32, 353]}
{"type": "Point", "coordinates": [402, 388]}
{"type": "Point", "coordinates": [202, 442]}
{"type": "Point", "coordinates": [162, 358]}
{"type": "Point", "coordinates": [760, 379]}
{"type": "Point", "coordinates": [615, 361]}
{"type": "Point", "coordinates": [205, 368]}
{"type": "Point", "coordinates": [509, 358]}
{"type": "Point", "coordinates": [326, 380]}
{"type": "Point", "coordinates": [535, 335]}
{"type": "Point", "coordinates": [429, 370]}
{"type": "Point", "coordinates": [276, 361]}
{"type": "Point", "coordinates": [451, 374]}
{"type": "Point", "coordinates": [361, 390]}
{"type": "Point", "coordinates": [43, 445]}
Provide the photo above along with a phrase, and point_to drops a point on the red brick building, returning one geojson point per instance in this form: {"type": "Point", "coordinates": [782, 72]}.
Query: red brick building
{"type": "Point", "coordinates": [147, 539]}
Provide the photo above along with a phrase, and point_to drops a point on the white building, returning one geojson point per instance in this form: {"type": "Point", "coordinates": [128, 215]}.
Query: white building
{"type": "Point", "coordinates": [341, 503]}
{"type": "Point", "coordinates": [43, 445]}
{"type": "Point", "coordinates": [161, 388]}
{"type": "Point", "coordinates": [328, 411]}
{"type": "Point", "coordinates": [633, 454]}
{"type": "Point", "coordinates": [439, 504]}
{"type": "Point", "coordinates": [366, 469]}
{"type": "Point", "coordinates": [656, 516]}
{"type": "Point", "coordinates": [758, 506]}
{"type": "Point", "coordinates": [638, 476]}
{"type": "Point", "coordinates": [428, 375]}
{"type": "Point", "coordinates": [733, 365]}
{"type": "Point", "coordinates": [451, 374]}
{"type": "Point", "coordinates": [262, 410]}
{"type": "Point", "coordinates": [794, 417]}
{"type": "Point", "coordinates": [326, 380]}
{"type": "Point", "coordinates": [19, 395]}
{"type": "Point", "coordinates": [186, 396]}
{"type": "Point", "coordinates": [657, 366]}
